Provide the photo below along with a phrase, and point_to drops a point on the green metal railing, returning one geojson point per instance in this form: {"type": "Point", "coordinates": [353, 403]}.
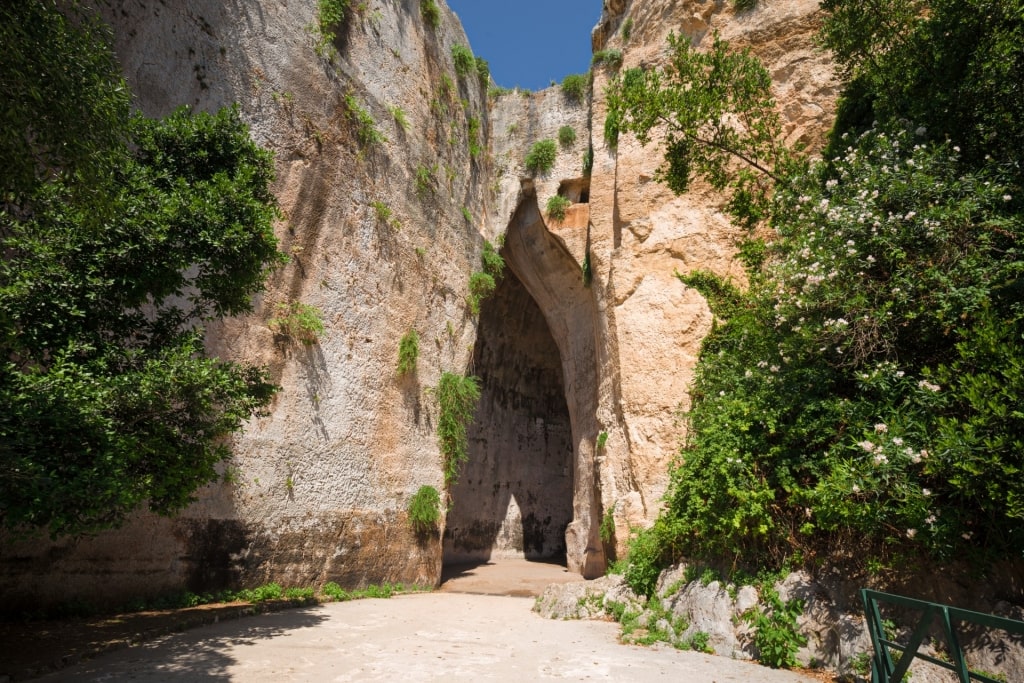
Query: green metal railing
{"type": "Point", "coordinates": [885, 670]}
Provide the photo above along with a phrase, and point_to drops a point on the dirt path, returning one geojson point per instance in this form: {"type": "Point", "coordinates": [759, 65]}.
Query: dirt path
{"type": "Point", "coordinates": [479, 626]}
{"type": "Point", "coordinates": [421, 637]}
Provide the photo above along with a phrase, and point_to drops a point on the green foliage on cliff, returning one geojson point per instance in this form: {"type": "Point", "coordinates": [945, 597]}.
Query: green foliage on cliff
{"type": "Point", "coordinates": [556, 207]}
{"type": "Point", "coordinates": [121, 236]}
{"type": "Point", "coordinates": [329, 15]}
{"type": "Point", "coordinates": [408, 352]}
{"type": "Point", "coordinates": [301, 322]}
{"type": "Point", "coordinates": [462, 57]}
{"type": "Point", "coordinates": [457, 396]}
{"type": "Point", "coordinates": [862, 394]}
{"type": "Point", "coordinates": [541, 157]}
{"type": "Point", "coordinates": [576, 86]}
{"type": "Point", "coordinates": [425, 509]}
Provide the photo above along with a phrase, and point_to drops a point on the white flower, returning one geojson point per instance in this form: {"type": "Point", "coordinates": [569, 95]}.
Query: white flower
{"type": "Point", "coordinates": [920, 132]}
{"type": "Point", "coordinates": [867, 445]}
{"type": "Point", "coordinates": [930, 519]}
{"type": "Point", "coordinates": [925, 384]}
{"type": "Point", "coordinates": [967, 536]}
{"type": "Point", "coordinates": [923, 453]}
{"type": "Point", "coordinates": [926, 492]}
{"type": "Point", "coordinates": [880, 459]}
{"type": "Point", "coordinates": [774, 368]}
{"type": "Point", "coordinates": [911, 533]}
{"type": "Point", "coordinates": [1007, 197]}
{"type": "Point", "coordinates": [856, 489]}
{"type": "Point", "coordinates": [898, 441]}
{"type": "Point", "coordinates": [880, 428]}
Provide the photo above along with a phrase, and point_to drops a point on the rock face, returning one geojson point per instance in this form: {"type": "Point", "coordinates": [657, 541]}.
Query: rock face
{"type": "Point", "coordinates": [585, 351]}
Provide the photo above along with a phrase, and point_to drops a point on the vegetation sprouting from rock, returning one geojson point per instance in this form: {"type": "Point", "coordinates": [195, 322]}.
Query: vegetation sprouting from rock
{"type": "Point", "coordinates": [296, 320]}
{"type": "Point", "coordinates": [462, 57]}
{"type": "Point", "coordinates": [566, 136]}
{"type": "Point", "coordinates": [408, 352]}
{"type": "Point", "coordinates": [425, 509]}
{"type": "Point", "coordinates": [576, 86]}
{"type": "Point", "coordinates": [860, 393]}
{"type": "Point", "coordinates": [556, 207]}
{"type": "Point", "coordinates": [329, 15]}
{"type": "Point", "coordinates": [431, 13]}
{"type": "Point", "coordinates": [541, 157]}
{"type": "Point", "coordinates": [457, 396]}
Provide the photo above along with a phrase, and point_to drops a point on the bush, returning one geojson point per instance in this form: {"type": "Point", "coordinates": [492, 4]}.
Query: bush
{"type": "Point", "coordinates": [541, 157]}
{"type": "Point", "coordinates": [464, 61]}
{"type": "Point", "coordinates": [457, 397]}
{"type": "Point", "coordinates": [776, 636]}
{"type": "Point", "coordinates": [576, 86]}
{"type": "Point", "coordinates": [557, 206]}
{"type": "Point", "coordinates": [425, 509]}
{"type": "Point", "coordinates": [408, 352]}
{"type": "Point", "coordinates": [566, 136]}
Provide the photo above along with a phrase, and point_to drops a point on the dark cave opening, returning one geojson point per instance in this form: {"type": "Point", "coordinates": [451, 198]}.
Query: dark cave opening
{"type": "Point", "coordinates": [514, 495]}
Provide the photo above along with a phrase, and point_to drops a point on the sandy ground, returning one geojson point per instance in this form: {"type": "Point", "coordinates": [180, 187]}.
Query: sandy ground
{"type": "Point", "coordinates": [449, 635]}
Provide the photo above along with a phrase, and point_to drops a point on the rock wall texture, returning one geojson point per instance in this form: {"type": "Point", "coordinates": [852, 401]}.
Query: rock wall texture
{"type": "Point", "coordinates": [582, 374]}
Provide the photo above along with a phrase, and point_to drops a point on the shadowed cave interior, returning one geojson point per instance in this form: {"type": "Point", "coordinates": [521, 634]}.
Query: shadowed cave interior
{"type": "Point", "coordinates": [514, 495]}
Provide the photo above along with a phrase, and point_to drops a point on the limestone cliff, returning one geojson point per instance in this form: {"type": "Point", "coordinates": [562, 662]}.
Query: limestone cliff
{"type": "Point", "coordinates": [582, 376]}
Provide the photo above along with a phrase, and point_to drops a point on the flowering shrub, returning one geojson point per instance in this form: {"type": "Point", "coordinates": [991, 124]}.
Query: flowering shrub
{"type": "Point", "coordinates": [866, 386]}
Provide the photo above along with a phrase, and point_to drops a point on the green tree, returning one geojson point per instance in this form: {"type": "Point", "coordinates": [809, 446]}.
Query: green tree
{"type": "Point", "coordinates": [121, 236]}
{"type": "Point", "coordinates": [715, 109]}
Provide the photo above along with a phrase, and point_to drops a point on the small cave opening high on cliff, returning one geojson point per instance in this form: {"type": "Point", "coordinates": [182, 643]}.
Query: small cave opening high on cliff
{"type": "Point", "coordinates": [514, 494]}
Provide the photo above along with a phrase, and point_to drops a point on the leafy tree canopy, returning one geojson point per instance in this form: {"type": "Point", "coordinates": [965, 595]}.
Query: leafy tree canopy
{"type": "Point", "coordinates": [861, 396]}
{"type": "Point", "coordinates": [121, 235]}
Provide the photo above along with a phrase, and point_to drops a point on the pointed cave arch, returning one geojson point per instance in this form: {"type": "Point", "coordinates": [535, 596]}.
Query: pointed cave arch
{"type": "Point", "coordinates": [530, 488]}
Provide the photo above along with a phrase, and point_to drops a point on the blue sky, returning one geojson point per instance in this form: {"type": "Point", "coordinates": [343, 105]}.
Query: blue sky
{"type": "Point", "coordinates": [529, 43]}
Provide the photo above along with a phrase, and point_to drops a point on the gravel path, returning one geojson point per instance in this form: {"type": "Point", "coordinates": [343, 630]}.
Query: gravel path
{"type": "Point", "coordinates": [419, 637]}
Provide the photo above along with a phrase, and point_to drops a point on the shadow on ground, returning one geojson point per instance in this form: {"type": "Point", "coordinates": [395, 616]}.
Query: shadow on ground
{"type": "Point", "coordinates": [36, 648]}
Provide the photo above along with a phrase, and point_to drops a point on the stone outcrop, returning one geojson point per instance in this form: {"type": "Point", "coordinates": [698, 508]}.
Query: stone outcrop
{"type": "Point", "coordinates": [585, 351]}
{"type": "Point", "coordinates": [832, 621]}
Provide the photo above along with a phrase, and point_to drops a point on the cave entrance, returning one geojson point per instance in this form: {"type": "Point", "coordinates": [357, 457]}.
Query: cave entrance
{"type": "Point", "coordinates": [514, 496]}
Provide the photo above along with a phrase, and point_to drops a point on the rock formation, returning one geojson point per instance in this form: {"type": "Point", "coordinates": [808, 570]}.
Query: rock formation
{"type": "Point", "coordinates": [385, 222]}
